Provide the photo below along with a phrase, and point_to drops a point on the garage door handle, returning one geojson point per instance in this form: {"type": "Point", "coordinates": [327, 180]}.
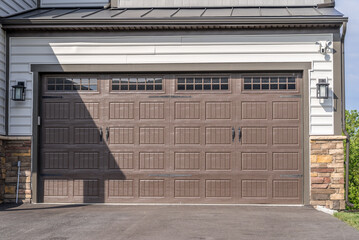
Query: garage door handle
{"type": "Point", "coordinates": [101, 134]}
{"type": "Point", "coordinates": [239, 134]}
{"type": "Point", "coordinates": [233, 134]}
{"type": "Point", "coordinates": [107, 134]}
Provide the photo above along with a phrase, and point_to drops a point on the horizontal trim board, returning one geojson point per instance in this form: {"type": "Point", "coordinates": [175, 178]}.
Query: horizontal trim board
{"type": "Point", "coordinates": [15, 138]}
{"type": "Point", "coordinates": [147, 27]}
{"type": "Point", "coordinates": [172, 204]}
{"type": "Point", "coordinates": [176, 67]}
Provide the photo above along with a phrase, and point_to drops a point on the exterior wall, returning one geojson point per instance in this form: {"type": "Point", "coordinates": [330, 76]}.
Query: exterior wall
{"type": "Point", "coordinates": [2, 80]}
{"type": "Point", "coordinates": [327, 172]}
{"type": "Point", "coordinates": [207, 3]}
{"type": "Point", "coordinates": [192, 49]}
{"type": "Point", "coordinates": [10, 7]}
{"type": "Point", "coordinates": [73, 3]}
{"type": "Point", "coordinates": [12, 152]}
{"type": "Point", "coordinates": [2, 171]}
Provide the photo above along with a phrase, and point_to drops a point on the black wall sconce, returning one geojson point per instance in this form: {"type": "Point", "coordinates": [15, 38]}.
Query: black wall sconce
{"type": "Point", "coordinates": [18, 92]}
{"type": "Point", "coordinates": [322, 89]}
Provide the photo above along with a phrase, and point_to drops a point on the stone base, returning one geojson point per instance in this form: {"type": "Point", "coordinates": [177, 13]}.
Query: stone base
{"type": "Point", "coordinates": [13, 151]}
{"type": "Point", "coordinates": [327, 172]}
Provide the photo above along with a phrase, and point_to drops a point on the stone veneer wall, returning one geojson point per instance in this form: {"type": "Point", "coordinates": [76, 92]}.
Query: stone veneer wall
{"type": "Point", "coordinates": [13, 151]}
{"type": "Point", "coordinates": [327, 171]}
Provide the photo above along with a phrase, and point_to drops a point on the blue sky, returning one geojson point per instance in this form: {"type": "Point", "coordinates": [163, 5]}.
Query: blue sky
{"type": "Point", "coordinates": [350, 9]}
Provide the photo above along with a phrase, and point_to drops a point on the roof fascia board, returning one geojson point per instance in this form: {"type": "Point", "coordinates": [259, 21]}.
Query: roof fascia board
{"type": "Point", "coordinates": [211, 21]}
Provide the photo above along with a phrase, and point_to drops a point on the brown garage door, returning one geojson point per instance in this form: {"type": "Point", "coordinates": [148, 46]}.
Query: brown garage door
{"type": "Point", "coordinates": [221, 138]}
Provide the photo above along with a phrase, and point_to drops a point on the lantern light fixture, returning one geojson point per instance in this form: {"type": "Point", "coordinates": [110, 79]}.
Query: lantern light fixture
{"type": "Point", "coordinates": [322, 89]}
{"type": "Point", "coordinates": [18, 92]}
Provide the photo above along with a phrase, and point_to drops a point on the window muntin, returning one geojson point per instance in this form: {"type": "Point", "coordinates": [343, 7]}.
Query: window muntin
{"type": "Point", "coordinates": [72, 84]}
{"type": "Point", "coordinates": [269, 83]}
{"type": "Point", "coordinates": [203, 83]}
{"type": "Point", "coordinates": [137, 84]}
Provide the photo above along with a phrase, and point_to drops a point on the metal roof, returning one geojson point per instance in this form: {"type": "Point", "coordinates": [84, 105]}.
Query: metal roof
{"type": "Point", "coordinates": [175, 13]}
{"type": "Point", "coordinates": [95, 19]}
{"type": "Point", "coordinates": [11, 7]}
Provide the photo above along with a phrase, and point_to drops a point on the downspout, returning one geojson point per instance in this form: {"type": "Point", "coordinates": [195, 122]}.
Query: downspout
{"type": "Point", "coordinates": [347, 161]}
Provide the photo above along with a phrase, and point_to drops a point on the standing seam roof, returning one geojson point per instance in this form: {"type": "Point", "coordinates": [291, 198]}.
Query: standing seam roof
{"type": "Point", "coordinates": [173, 13]}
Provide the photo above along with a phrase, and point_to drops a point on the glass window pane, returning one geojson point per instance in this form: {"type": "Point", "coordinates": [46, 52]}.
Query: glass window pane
{"type": "Point", "coordinates": [68, 81]}
{"type": "Point", "coordinates": [76, 87]}
{"type": "Point", "coordinates": [265, 86]}
{"type": "Point", "coordinates": [85, 81]}
{"type": "Point", "coordinates": [207, 80]}
{"type": "Point", "coordinates": [189, 86]}
{"type": "Point", "coordinates": [273, 80]}
{"type": "Point", "coordinates": [247, 86]}
{"type": "Point", "coordinates": [282, 86]}
{"type": "Point", "coordinates": [76, 81]}
{"type": "Point", "coordinates": [274, 86]}
{"type": "Point", "coordinates": [68, 87]}
{"type": "Point", "coordinates": [256, 80]}
{"type": "Point", "coordinates": [224, 86]}
{"type": "Point", "coordinates": [256, 86]}
{"type": "Point", "coordinates": [124, 80]}
{"type": "Point", "coordinates": [224, 80]}
{"type": "Point", "coordinates": [51, 87]}
{"type": "Point", "coordinates": [189, 80]}
{"type": "Point", "coordinates": [133, 80]}
{"type": "Point", "coordinates": [215, 80]}
{"type": "Point", "coordinates": [115, 80]}
{"type": "Point", "coordinates": [51, 81]}
{"type": "Point", "coordinates": [123, 87]}
{"type": "Point", "coordinates": [141, 87]}
{"type": "Point", "coordinates": [181, 87]}
{"type": "Point", "coordinates": [59, 87]}
{"type": "Point", "coordinates": [247, 80]}
{"type": "Point", "coordinates": [181, 80]}
{"type": "Point", "coordinates": [198, 87]}
{"type": "Point", "coordinates": [291, 86]}
{"type": "Point", "coordinates": [158, 80]}
{"type": "Point", "coordinates": [291, 79]}
{"type": "Point", "coordinates": [198, 80]}
{"type": "Point", "coordinates": [207, 87]}
{"type": "Point", "coordinates": [132, 87]}
{"type": "Point", "coordinates": [116, 87]}
{"type": "Point", "coordinates": [282, 80]}
{"type": "Point", "coordinates": [93, 81]}
{"type": "Point", "coordinates": [149, 87]}
{"type": "Point", "coordinates": [60, 80]}
{"type": "Point", "coordinates": [158, 87]}
{"type": "Point", "coordinates": [143, 80]}
{"type": "Point", "coordinates": [265, 80]}
{"type": "Point", "coordinates": [93, 87]}
{"type": "Point", "coordinates": [215, 87]}
{"type": "Point", "coordinates": [150, 80]}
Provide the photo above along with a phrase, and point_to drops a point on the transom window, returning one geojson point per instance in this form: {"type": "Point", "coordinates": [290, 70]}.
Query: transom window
{"type": "Point", "coordinates": [137, 84]}
{"type": "Point", "coordinates": [71, 84]}
{"type": "Point", "coordinates": [270, 83]}
{"type": "Point", "coordinates": [202, 83]}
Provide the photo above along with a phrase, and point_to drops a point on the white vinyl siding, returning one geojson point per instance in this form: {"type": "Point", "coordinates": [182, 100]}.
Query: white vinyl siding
{"type": "Point", "coordinates": [2, 80]}
{"type": "Point", "coordinates": [10, 7]}
{"type": "Point", "coordinates": [73, 3]}
{"type": "Point", "coordinates": [170, 49]}
{"type": "Point", "coordinates": [216, 3]}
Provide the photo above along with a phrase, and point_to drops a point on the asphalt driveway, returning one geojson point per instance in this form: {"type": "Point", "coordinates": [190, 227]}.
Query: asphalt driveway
{"type": "Point", "coordinates": [64, 222]}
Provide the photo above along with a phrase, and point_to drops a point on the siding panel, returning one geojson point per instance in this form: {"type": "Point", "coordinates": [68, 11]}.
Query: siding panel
{"type": "Point", "coordinates": [2, 80]}
{"type": "Point", "coordinates": [170, 49]}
